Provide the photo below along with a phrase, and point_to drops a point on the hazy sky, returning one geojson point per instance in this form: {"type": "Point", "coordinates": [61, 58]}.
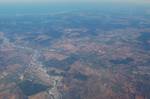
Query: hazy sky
{"type": "Point", "coordinates": [69, 1]}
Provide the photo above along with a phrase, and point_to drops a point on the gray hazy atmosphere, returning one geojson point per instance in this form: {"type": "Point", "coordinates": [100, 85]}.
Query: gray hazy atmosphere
{"type": "Point", "coordinates": [70, 1]}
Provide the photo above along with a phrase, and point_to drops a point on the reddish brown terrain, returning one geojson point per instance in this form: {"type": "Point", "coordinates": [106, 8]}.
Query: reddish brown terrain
{"type": "Point", "coordinates": [76, 55]}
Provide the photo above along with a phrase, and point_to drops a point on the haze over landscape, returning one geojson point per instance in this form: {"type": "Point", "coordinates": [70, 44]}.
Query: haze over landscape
{"type": "Point", "coordinates": [74, 49]}
{"type": "Point", "coordinates": [59, 1]}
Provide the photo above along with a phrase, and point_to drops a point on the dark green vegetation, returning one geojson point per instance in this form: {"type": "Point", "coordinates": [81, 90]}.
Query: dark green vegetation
{"type": "Point", "coordinates": [122, 61]}
{"type": "Point", "coordinates": [80, 76]}
{"type": "Point", "coordinates": [64, 64]}
{"type": "Point", "coordinates": [143, 88]}
{"type": "Point", "coordinates": [30, 88]}
{"type": "Point", "coordinates": [117, 88]}
{"type": "Point", "coordinates": [144, 38]}
{"type": "Point", "coordinates": [92, 59]}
